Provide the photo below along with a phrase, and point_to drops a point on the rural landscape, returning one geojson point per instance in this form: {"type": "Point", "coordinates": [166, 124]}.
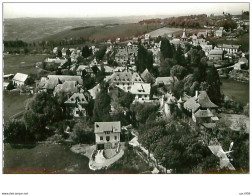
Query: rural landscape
{"type": "Point", "coordinates": [127, 95]}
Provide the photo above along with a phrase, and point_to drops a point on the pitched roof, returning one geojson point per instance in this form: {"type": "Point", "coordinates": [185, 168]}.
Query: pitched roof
{"type": "Point", "coordinates": [140, 89]}
{"type": "Point", "coordinates": [216, 52]}
{"type": "Point", "coordinates": [67, 87]}
{"type": "Point", "coordinates": [205, 101]}
{"type": "Point", "coordinates": [77, 98]}
{"type": "Point", "coordinates": [203, 114]}
{"type": "Point", "coordinates": [20, 77]}
{"type": "Point", "coordinates": [100, 127]}
{"type": "Point", "coordinates": [165, 80]}
{"type": "Point", "coordinates": [63, 78]}
{"type": "Point", "coordinates": [125, 77]}
{"type": "Point", "coordinates": [146, 75]}
{"type": "Point", "coordinates": [93, 92]}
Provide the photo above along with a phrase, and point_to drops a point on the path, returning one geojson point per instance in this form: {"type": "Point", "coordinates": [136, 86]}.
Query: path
{"type": "Point", "coordinates": [100, 162]}
{"type": "Point", "coordinates": [134, 142]}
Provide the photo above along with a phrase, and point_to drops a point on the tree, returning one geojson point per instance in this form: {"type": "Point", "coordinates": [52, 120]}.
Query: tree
{"type": "Point", "coordinates": [15, 133]}
{"type": "Point", "coordinates": [166, 49]}
{"type": "Point", "coordinates": [144, 59]}
{"type": "Point", "coordinates": [102, 106]}
{"type": "Point", "coordinates": [46, 106]}
{"type": "Point", "coordinates": [86, 52]}
{"type": "Point", "coordinates": [213, 80]}
{"type": "Point", "coordinates": [82, 133]}
{"type": "Point", "coordinates": [68, 52]}
{"type": "Point", "coordinates": [178, 71]}
{"type": "Point", "coordinates": [10, 86]}
{"type": "Point", "coordinates": [100, 54]}
{"type": "Point", "coordinates": [126, 100]}
{"type": "Point", "coordinates": [165, 67]}
{"type": "Point", "coordinates": [246, 109]}
{"type": "Point", "coordinates": [179, 56]}
{"type": "Point", "coordinates": [59, 53]}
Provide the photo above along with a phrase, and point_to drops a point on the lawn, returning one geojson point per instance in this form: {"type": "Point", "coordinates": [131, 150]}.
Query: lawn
{"type": "Point", "coordinates": [13, 103]}
{"type": "Point", "coordinates": [44, 158]}
{"type": "Point", "coordinates": [21, 63]}
{"type": "Point", "coordinates": [236, 90]}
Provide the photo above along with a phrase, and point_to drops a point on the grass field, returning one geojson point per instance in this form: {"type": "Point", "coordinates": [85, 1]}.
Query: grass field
{"type": "Point", "coordinates": [21, 63]}
{"type": "Point", "coordinates": [235, 90]}
{"type": "Point", "coordinates": [101, 33]}
{"type": "Point", "coordinates": [44, 158]}
{"type": "Point", "coordinates": [13, 104]}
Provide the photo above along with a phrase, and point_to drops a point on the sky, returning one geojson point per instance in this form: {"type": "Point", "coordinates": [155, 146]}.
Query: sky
{"type": "Point", "coordinates": [58, 10]}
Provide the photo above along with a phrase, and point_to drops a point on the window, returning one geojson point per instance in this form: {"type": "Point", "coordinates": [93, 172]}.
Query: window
{"type": "Point", "coordinates": [115, 137]}
{"type": "Point", "coordinates": [101, 138]}
{"type": "Point", "coordinates": [107, 138]}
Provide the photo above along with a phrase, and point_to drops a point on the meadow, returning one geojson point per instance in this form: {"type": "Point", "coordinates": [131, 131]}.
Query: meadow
{"type": "Point", "coordinates": [236, 90]}
{"type": "Point", "coordinates": [13, 103]}
{"type": "Point", "coordinates": [21, 63]}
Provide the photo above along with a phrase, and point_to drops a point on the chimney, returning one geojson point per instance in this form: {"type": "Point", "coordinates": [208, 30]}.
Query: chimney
{"type": "Point", "coordinates": [196, 93]}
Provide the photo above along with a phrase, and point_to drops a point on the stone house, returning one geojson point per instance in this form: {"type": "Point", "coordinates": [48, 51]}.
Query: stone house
{"type": "Point", "coordinates": [107, 134]}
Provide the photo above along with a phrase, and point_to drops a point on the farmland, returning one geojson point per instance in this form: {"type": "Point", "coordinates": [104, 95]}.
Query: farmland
{"type": "Point", "coordinates": [235, 90]}
{"type": "Point", "coordinates": [13, 103]}
{"type": "Point", "coordinates": [21, 63]}
{"type": "Point", "coordinates": [105, 32]}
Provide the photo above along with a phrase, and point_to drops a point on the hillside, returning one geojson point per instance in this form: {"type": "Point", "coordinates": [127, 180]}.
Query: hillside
{"type": "Point", "coordinates": [33, 29]}
{"type": "Point", "coordinates": [105, 32]}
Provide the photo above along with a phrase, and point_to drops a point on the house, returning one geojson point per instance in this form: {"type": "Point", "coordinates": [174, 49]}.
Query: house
{"type": "Point", "coordinates": [118, 40]}
{"type": "Point", "coordinates": [202, 34]}
{"type": "Point", "coordinates": [147, 76]}
{"type": "Point", "coordinates": [184, 37]}
{"type": "Point", "coordinates": [63, 51]}
{"type": "Point", "coordinates": [201, 108]}
{"type": "Point", "coordinates": [19, 79]}
{"type": "Point", "coordinates": [77, 103]}
{"type": "Point", "coordinates": [230, 49]}
{"type": "Point", "coordinates": [147, 37]}
{"type": "Point", "coordinates": [107, 134]}
{"type": "Point", "coordinates": [68, 87]}
{"type": "Point", "coordinates": [141, 91]}
{"type": "Point", "coordinates": [206, 49]}
{"type": "Point", "coordinates": [218, 33]}
{"type": "Point", "coordinates": [55, 50]}
{"type": "Point", "coordinates": [82, 70]}
{"type": "Point", "coordinates": [49, 83]}
{"type": "Point", "coordinates": [124, 80]}
{"type": "Point", "coordinates": [215, 54]}
{"type": "Point", "coordinates": [165, 81]}
{"type": "Point", "coordinates": [135, 39]}
{"type": "Point", "coordinates": [94, 91]}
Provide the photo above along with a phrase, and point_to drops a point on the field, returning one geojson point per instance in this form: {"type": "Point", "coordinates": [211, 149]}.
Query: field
{"type": "Point", "coordinates": [58, 158]}
{"type": "Point", "coordinates": [44, 158]}
{"type": "Point", "coordinates": [236, 90]}
{"type": "Point", "coordinates": [13, 103]}
{"type": "Point", "coordinates": [164, 31]}
{"type": "Point", "coordinates": [33, 29]}
{"type": "Point", "coordinates": [105, 32]}
{"type": "Point", "coordinates": [21, 63]}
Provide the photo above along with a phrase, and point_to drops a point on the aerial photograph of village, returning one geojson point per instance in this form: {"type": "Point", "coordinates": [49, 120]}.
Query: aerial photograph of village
{"type": "Point", "coordinates": [154, 89]}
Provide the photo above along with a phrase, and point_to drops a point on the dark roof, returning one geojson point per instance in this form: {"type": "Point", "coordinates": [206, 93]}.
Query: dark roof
{"type": "Point", "coordinates": [204, 100]}
{"type": "Point", "coordinates": [203, 114]}
{"type": "Point", "coordinates": [100, 127]}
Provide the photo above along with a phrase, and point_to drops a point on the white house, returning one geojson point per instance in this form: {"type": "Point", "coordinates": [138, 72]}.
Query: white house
{"type": "Point", "coordinates": [19, 79]}
{"type": "Point", "coordinates": [141, 91]}
{"type": "Point", "coordinates": [107, 134]}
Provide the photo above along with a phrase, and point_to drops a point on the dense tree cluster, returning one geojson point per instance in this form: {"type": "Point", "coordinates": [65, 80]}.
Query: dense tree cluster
{"type": "Point", "coordinates": [176, 145]}
{"type": "Point", "coordinates": [144, 59]}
